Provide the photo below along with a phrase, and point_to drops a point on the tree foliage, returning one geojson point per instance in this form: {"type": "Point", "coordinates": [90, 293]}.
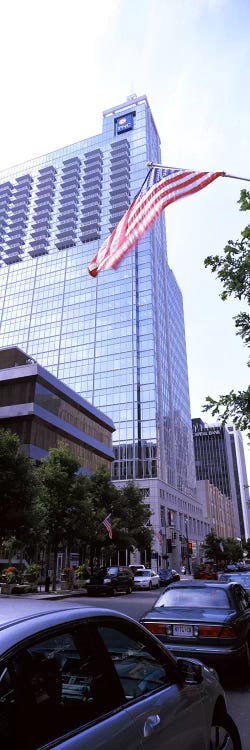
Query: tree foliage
{"type": "Point", "coordinates": [19, 490]}
{"type": "Point", "coordinates": [218, 549]}
{"type": "Point", "coordinates": [55, 506]}
{"type": "Point", "coordinates": [233, 271]}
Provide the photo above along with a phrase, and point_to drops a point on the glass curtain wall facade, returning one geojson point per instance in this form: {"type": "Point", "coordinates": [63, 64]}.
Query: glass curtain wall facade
{"type": "Point", "coordinates": [118, 340]}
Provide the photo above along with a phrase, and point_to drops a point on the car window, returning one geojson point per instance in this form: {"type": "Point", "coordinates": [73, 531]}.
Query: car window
{"type": "Point", "coordinates": [242, 598]}
{"type": "Point", "coordinates": [59, 685]}
{"type": "Point", "coordinates": [194, 597]}
{"type": "Point", "coordinates": [7, 707]}
{"type": "Point", "coordinates": [143, 573]}
{"type": "Point", "coordinates": [139, 668]}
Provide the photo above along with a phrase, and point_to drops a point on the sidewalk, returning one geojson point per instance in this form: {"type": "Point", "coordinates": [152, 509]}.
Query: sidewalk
{"type": "Point", "coordinates": [58, 594]}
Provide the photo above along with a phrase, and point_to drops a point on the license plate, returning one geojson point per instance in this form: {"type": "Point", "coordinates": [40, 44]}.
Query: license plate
{"type": "Point", "coordinates": [184, 630]}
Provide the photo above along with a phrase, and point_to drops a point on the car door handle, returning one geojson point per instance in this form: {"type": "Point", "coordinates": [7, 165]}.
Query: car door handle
{"type": "Point", "coordinates": [150, 724]}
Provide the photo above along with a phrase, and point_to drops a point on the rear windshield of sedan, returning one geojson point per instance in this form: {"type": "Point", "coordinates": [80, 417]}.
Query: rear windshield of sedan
{"type": "Point", "coordinates": [194, 597]}
{"type": "Point", "coordinates": [143, 573]}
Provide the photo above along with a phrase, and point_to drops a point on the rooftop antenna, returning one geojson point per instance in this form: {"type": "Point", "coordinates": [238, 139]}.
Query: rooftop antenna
{"type": "Point", "coordinates": [133, 95]}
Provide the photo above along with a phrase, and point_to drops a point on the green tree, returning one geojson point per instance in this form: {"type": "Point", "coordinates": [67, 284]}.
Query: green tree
{"type": "Point", "coordinates": [233, 271]}
{"type": "Point", "coordinates": [58, 475]}
{"type": "Point", "coordinates": [233, 550]}
{"type": "Point", "coordinates": [129, 516]}
{"type": "Point", "coordinates": [218, 549]}
{"type": "Point", "coordinates": [19, 492]}
{"type": "Point", "coordinates": [247, 547]}
{"type": "Point", "coordinates": [134, 518]}
{"type": "Point", "coordinates": [213, 547]}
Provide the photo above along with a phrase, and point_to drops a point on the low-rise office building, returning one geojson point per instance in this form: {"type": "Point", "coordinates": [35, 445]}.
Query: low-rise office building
{"type": "Point", "coordinates": [44, 411]}
{"type": "Point", "coordinates": [218, 508]}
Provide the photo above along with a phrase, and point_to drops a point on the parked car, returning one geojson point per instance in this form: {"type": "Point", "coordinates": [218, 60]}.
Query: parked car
{"type": "Point", "coordinates": [203, 620]}
{"type": "Point", "coordinates": [146, 579]}
{"type": "Point", "coordinates": [167, 576]}
{"type": "Point", "coordinates": [238, 577]}
{"type": "Point", "coordinates": [111, 581]}
{"type": "Point", "coordinates": [93, 678]}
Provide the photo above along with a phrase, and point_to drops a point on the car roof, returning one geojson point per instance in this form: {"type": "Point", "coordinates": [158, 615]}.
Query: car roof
{"type": "Point", "coordinates": [15, 630]}
{"type": "Point", "coordinates": [200, 584]}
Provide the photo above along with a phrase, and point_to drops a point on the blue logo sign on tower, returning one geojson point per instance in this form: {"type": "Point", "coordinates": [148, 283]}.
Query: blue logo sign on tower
{"type": "Point", "coordinates": [126, 122]}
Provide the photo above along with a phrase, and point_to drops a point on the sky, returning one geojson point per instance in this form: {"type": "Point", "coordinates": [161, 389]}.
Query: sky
{"type": "Point", "coordinates": [63, 64]}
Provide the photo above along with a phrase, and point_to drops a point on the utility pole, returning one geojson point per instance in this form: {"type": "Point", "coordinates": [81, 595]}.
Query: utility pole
{"type": "Point", "coordinates": [187, 542]}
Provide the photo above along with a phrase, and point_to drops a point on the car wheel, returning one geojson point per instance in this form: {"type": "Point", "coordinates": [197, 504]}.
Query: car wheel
{"type": "Point", "coordinates": [224, 734]}
{"type": "Point", "coordinates": [150, 586]}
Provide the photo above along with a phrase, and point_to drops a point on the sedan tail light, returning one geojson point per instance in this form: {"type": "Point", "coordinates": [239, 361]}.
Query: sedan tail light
{"type": "Point", "coordinates": [157, 628]}
{"type": "Point", "coordinates": [216, 631]}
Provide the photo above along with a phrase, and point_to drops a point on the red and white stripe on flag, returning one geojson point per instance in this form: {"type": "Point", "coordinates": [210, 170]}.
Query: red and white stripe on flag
{"type": "Point", "coordinates": [162, 187]}
{"type": "Point", "coordinates": [108, 525]}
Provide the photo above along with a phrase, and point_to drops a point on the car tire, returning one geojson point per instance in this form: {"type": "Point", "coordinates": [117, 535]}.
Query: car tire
{"type": "Point", "coordinates": [224, 734]}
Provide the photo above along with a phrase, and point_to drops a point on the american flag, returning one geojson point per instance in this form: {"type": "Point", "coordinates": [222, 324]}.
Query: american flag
{"type": "Point", "coordinates": [161, 187]}
{"type": "Point", "coordinates": [160, 538]}
{"type": "Point", "coordinates": [108, 525]}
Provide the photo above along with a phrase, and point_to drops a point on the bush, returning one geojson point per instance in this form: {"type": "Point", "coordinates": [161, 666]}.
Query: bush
{"type": "Point", "coordinates": [32, 572]}
{"type": "Point", "coordinates": [10, 574]}
{"type": "Point", "coordinates": [82, 572]}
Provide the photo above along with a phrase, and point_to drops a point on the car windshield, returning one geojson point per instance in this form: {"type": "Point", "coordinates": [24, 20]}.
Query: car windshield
{"type": "Point", "coordinates": [194, 597]}
{"type": "Point", "coordinates": [143, 573]}
{"type": "Point", "coordinates": [112, 571]}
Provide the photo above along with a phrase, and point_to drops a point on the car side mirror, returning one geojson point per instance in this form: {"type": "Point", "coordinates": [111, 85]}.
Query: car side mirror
{"type": "Point", "coordinates": [191, 673]}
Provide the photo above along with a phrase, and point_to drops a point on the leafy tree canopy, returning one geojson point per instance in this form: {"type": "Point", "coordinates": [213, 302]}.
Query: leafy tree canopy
{"type": "Point", "coordinates": [19, 489]}
{"type": "Point", "coordinates": [233, 270]}
{"type": "Point", "coordinates": [218, 549]}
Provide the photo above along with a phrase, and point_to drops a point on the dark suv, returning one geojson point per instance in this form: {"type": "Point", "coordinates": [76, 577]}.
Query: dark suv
{"type": "Point", "coordinates": [111, 581]}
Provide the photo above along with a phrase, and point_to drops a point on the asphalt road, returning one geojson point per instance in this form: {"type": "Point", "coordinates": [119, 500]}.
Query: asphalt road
{"type": "Point", "coordinates": [135, 605]}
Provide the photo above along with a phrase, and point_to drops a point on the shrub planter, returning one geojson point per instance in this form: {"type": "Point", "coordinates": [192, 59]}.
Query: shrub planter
{"type": "Point", "coordinates": [7, 588]}
{"type": "Point", "coordinates": [65, 586]}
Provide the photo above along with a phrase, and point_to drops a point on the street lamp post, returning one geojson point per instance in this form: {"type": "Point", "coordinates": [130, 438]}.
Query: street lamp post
{"type": "Point", "coordinates": [187, 541]}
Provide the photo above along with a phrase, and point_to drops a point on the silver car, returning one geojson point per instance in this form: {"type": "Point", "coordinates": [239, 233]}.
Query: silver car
{"type": "Point", "coordinates": [146, 579]}
{"type": "Point", "coordinates": [93, 679]}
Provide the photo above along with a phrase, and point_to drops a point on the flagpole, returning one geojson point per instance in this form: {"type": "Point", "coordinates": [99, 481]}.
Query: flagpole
{"type": "Point", "coordinates": [232, 176]}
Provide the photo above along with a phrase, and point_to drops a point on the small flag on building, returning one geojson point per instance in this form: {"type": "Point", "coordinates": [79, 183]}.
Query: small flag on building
{"type": "Point", "coordinates": [162, 186]}
{"type": "Point", "coordinates": [160, 538]}
{"type": "Point", "coordinates": [108, 525]}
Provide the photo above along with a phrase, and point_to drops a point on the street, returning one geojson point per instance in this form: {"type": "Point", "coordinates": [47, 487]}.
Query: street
{"type": "Point", "coordinates": [135, 605]}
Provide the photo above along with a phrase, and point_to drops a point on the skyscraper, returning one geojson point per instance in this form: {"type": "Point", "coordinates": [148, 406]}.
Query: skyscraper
{"type": "Point", "coordinates": [219, 457]}
{"type": "Point", "coordinates": [118, 340]}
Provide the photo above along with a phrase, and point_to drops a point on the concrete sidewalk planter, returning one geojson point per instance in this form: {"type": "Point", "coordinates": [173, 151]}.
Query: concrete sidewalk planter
{"type": "Point", "coordinates": [9, 580]}
{"type": "Point", "coordinates": [67, 579]}
{"type": "Point", "coordinates": [81, 576]}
